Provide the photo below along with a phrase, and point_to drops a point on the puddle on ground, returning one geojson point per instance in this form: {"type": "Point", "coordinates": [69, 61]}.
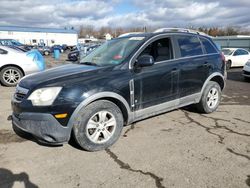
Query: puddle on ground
{"type": "Point", "coordinates": [8, 136]}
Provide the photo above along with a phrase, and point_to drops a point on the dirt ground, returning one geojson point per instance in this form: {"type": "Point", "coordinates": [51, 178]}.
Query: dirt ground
{"type": "Point", "coordinates": [176, 149]}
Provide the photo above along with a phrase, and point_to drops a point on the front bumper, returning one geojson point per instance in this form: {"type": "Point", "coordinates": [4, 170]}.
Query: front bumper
{"type": "Point", "coordinates": [42, 126]}
{"type": "Point", "coordinates": [246, 71]}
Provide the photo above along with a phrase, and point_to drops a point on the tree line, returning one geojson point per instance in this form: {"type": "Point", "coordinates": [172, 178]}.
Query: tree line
{"type": "Point", "coordinates": [88, 31]}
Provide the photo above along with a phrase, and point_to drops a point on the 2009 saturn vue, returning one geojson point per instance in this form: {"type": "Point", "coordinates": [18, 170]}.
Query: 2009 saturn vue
{"type": "Point", "coordinates": [124, 80]}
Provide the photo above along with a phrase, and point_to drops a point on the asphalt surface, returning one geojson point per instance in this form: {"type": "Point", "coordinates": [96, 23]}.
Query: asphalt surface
{"type": "Point", "coordinates": [180, 148]}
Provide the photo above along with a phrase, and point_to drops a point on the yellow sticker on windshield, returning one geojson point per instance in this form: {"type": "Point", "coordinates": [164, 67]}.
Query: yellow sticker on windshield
{"type": "Point", "coordinates": [136, 38]}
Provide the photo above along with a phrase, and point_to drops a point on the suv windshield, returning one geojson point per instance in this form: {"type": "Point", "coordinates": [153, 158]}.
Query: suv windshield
{"type": "Point", "coordinates": [112, 52]}
{"type": "Point", "coordinates": [227, 51]}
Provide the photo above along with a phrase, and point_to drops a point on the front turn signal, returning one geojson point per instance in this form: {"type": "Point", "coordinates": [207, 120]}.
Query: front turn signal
{"type": "Point", "coordinates": [60, 116]}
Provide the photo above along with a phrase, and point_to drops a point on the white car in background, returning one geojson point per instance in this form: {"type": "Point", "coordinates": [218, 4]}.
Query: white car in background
{"type": "Point", "coordinates": [236, 57]}
{"type": "Point", "coordinates": [14, 64]}
{"type": "Point", "coordinates": [246, 71]}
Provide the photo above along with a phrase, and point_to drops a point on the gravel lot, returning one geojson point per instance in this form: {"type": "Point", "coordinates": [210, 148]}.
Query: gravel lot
{"type": "Point", "coordinates": [176, 149]}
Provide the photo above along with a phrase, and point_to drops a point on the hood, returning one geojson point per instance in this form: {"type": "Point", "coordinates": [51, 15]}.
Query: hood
{"type": "Point", "coordinates": [58, 73]}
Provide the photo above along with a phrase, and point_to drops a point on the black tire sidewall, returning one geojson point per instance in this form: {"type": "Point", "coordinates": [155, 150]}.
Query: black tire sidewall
{"type": "Point", "coordinates": [229, 64]}
{"type": "Point", "coordinates": [204, 105]}
{"type": "Point", "coordinates": [85, 114]}
{"type": "Point", "coordinates": [1, 75]}
{"type": "Point", "coordinates": [247, 79]}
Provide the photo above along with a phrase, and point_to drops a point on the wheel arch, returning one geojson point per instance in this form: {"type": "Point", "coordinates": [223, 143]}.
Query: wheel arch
{"type": "Point", "coordinates": [12, 65]}
{"type": "Point", "coordinates": [219, 80]}
{"type": "Point", "coordinates": [231, 63]}
{"type": "Point", "coordinates": [216, 77]}
{"type": "Point", "coordinates": [110, 96]}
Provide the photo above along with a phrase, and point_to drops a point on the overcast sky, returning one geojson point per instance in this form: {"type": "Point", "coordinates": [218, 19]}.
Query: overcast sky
{"type": "Point", "coordinates": [121, 13]}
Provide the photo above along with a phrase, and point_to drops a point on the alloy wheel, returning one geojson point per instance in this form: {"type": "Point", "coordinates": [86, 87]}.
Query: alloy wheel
{"type": "Point", "coordinates": [101, 127]}
{"type": "Point", "coordinates": [212, 98]}
{"type": "Point", "coordinates": [11, 76]}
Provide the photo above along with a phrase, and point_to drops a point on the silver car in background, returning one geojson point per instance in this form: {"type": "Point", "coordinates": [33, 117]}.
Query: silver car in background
{"type": "Point", "coordinates": [14, 64]}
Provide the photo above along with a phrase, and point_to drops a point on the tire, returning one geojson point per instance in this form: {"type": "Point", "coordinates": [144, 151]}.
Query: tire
{"type": "Point", "coordinates": [14, 73]}
{"type": "Point", "coordinates": [247, 79]}
{"type": "Point", "coordinates": [207, 104]}
{"type": "Point", "coordinates": [90, 129]}
{"type": "Point", "coordinates": [46, 53]}
{"type": "Point", "coordinates": [229, 64]}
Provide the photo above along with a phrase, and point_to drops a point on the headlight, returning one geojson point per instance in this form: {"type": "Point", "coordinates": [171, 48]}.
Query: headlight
{"type": "Point", "coordinates": [44, 96]}
{"type": "Point", "coordinates": [248, 63]}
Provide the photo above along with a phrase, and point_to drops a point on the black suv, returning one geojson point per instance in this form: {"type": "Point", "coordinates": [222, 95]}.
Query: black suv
{"type": "Point", "coordinates": [125, 80]}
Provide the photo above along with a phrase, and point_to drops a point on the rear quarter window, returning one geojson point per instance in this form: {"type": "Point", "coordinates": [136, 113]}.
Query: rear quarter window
{"type": "Point", "coordinates": [189, 46]}
{"type": "Point", "coordinates": [208, 46]}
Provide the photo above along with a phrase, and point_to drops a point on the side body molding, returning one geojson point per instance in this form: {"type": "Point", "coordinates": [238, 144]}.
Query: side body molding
{"type": "Point", "coordinates": [96, 97]}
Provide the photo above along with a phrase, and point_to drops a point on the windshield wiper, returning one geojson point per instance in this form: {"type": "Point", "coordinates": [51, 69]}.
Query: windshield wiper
{"type": "Point", "coordinates": [89, 63]}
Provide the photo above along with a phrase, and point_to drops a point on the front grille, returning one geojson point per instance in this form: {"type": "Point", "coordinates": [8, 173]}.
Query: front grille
{"type": "Point", "coordinates": [20, 93]}
{"type": "Point", "coordinates": [19, 96]}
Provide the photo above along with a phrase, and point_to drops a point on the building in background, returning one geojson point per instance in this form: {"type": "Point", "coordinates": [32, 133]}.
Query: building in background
{"type": "Point", "coordinates": [238, 41]}
{"type": "Point", "coordinates": [108, 36]}
{"type": "Point", "coordinates": [88, 39]}
{"type": "Point", "coordinates": [39, 36]}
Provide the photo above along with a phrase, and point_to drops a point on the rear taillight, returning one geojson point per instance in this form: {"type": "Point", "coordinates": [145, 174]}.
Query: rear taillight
{"type": "Point", "coordinates": [223, 58]}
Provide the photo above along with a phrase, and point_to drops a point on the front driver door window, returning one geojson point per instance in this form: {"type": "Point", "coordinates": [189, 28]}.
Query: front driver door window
{"type": "Point", "coordinates": [156, 84]}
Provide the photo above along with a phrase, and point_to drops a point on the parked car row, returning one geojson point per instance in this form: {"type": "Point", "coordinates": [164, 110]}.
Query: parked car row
{"type": "Point", "coordinates": [46, 50]}
{"type": "Point", "coordinates": [81, 51]}
{"type": "Point", "coordinates": [15, 44]}
{"type": "Point", "coordinates": [43, 49]}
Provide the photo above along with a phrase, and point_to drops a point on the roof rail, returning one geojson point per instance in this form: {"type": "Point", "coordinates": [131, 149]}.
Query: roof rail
{"type": "Point", "coordinates": [130, 33]}
{"type": "Point", "coordinates": [179, 30]}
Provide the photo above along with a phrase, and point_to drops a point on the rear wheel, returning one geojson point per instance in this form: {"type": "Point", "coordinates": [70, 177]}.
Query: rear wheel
{"type": "Point", "coordinates": [98, 125]}
{"type": "Point", "coordinates": [247, 79]}
{"type": "Point", "coordinates": [210, 98]}
{"type": "Point", "coordinates": [10, 76]}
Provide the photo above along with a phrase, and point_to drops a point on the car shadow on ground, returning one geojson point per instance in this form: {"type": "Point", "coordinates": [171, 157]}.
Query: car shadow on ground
{"type": "Point", "coordinates": [8, 178]}
{"type": "Point", "coordinates": [72, 142]}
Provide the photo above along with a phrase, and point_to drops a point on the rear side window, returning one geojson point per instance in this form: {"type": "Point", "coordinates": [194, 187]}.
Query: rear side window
{"type": "Point", "coordinates": [208, 46]}
{"type": "Point", "coordinates": [189, 46]}
{"type": "Point", "coordinates": [240, 52]}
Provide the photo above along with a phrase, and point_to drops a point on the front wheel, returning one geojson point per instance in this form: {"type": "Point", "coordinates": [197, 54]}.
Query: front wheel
{"type": "Point", "coordinates": [46, 53]}
{"type": "Point", "coordinates": [10, 76]}
{"type": "Point", "coordinates": [210, 98]}
{"type": "Point", "coordinates": [98, 125]}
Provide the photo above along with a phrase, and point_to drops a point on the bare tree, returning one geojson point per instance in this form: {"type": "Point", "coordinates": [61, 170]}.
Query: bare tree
{"type": "Point", "coordinates": [86, 31]}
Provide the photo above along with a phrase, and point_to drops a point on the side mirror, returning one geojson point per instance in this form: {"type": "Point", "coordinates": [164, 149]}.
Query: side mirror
{"type": "Point", "coordinates": [145, 61]}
